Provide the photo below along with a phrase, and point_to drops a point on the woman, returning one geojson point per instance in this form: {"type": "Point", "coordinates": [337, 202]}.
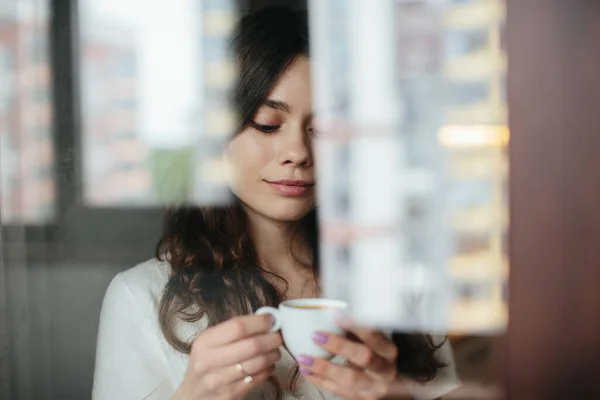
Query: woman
{"type": "Point", "coordinates": [181, 327]}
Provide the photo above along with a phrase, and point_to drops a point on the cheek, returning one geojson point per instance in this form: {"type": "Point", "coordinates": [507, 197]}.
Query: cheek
{"type": "Point", "coordinates": [248, 158]}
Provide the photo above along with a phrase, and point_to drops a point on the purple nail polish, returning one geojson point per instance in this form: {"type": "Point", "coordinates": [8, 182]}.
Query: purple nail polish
{"type": "Point", "coordinates": [272, 318]}
{"type": "Point", "coordinates": [320, 338]}
{"type": "Point", "coordinates": [305, 372]}
{"type": "Point", "coordinates": [305, 360]}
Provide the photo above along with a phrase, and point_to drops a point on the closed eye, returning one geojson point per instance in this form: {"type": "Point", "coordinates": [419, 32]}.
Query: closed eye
{"type": "Point", "coordinates": [264, 128]}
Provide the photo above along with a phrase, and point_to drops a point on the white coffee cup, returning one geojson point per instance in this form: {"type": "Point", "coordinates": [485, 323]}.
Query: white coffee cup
{"type": "Point", "coordinates": [300, 319]}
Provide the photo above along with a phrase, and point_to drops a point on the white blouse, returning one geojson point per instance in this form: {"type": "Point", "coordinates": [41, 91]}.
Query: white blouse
{"type": "Point", "coordinates": [135, 362]}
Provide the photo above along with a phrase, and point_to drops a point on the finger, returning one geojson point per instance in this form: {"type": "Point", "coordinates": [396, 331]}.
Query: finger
{"type": "Point", "coordinates": [375, 391]}
{"type": "Point", "coordinates": [241, 389]}
{"type": "Point", "coordinates": [375, 340]}
{"type": "Point", "coordinates": [235, 329]}
{"type": "Point", "coordinates": [240, 351]}
{"type": "Point", "coordinates": [333, 387]}
{"type": "Point", "coordinates": [357, 353]}
{"type": "Point", "coordinates": [340, 374]}
{"type": "Point", "coordinates": [230, 374]}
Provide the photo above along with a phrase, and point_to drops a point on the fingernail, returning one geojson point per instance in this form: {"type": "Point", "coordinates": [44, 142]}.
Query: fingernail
{"type": "Point", "coordinates": [305, 360]}
{"type": "Point", "coordinates": [320, 338]}
{"type": "Point", "coordinates": [305, 372]}
{"type": "Point", "coordinates": [272, 318]}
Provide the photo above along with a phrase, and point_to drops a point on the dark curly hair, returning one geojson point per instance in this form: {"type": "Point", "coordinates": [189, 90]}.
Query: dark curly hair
{"type": "Point", "coordinates": [215, 270]}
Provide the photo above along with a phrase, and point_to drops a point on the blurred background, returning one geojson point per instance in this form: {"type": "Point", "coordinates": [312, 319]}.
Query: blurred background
{"type": "Point", "coordinates": [107, 115]}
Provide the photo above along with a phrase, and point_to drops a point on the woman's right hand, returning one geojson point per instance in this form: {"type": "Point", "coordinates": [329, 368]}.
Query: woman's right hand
{"type": "Point", "coordinates": [213, 371]}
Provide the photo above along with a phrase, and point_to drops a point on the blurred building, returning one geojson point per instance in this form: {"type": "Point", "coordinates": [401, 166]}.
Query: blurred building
{"type": "Point", "coordinates": [218, 119]}
{"type": "Point", "coordinates": [450, 75]}
{"type": "Point", "coordinates": [420, 41]}
{"type": "Point", "coordinates": [475, 136]}
{"type": "Point", "coordinates": [116, 170]}
{"type": "Point", "coordinates": [28, 190]}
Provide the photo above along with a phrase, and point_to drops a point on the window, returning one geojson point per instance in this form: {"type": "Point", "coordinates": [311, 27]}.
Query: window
{"type": "Point", "coordinates": [142, 95]}
{"type": "Point", "coordinates": [26, 152]}
{"type": "Point", "coordinates": [37, 44]}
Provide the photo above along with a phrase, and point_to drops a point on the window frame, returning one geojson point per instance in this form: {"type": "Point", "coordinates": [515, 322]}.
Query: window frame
{"type": "Point", "coordinates": [79, 232]}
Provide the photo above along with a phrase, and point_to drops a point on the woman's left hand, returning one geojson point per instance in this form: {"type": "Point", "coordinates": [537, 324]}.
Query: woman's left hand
{"type": "Point", "coordinates": [371, 367]}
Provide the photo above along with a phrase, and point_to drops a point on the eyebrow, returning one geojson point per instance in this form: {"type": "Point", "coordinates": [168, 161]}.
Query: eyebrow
{"type": "Point", "coordinates": [277, 105]}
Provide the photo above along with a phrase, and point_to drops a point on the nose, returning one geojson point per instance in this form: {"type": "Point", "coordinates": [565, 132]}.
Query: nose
{"type": "Point", "coordinates": [296, 149]}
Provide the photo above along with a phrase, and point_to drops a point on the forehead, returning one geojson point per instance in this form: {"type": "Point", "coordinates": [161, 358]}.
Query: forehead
{"type": "Point", "coordinates": [294, 86]}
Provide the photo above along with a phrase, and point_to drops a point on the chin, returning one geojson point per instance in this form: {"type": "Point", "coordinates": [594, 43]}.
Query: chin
{"type": "Point", "coordinates": [289, 215]}
{"type": "Point", "coordinates": [289, 212]}
{"type": "Point", "coordinates": [278, 209]}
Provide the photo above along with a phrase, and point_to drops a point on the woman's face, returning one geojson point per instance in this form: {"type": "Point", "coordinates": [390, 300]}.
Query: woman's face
{"type": "Point", "coordinates": [271, 159]}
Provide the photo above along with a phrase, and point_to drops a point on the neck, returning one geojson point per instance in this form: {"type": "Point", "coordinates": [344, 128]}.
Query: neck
{"type": "Point", "coordinates": [277, 243]}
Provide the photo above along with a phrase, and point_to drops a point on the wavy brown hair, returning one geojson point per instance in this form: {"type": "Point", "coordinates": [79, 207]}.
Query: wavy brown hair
{"type": "Point", "coordinates": [215, 270]}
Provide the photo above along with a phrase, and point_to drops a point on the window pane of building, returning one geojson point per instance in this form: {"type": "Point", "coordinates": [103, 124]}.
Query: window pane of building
{"type": "Point", "coordinates": [146, 68]}
{"type": "Point", "coordinates": [26, 152]}
{"type": "Point", "coordinates": [410, 101]}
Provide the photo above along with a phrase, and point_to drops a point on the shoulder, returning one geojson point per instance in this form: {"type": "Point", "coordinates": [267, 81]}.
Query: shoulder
{"type": "Point", "coordinates": [136, 295]}
{"type": "Point", "coordinates": [140, 286]}
{"type": "Point", "coordinates": [132, 300]}
{"type": "Point", "coordinates": [147, 278]}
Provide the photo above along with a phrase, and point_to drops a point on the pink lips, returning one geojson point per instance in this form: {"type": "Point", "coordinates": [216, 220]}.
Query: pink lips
{"type": "Point", "coordinates": [290, 187]}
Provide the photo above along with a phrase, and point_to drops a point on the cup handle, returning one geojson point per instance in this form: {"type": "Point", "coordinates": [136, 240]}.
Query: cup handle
{"type": "Point", "coordinates": [274, 312]}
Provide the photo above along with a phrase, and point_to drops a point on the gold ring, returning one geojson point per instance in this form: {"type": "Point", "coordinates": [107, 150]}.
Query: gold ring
{"type": "Point", "coordinates": [248, 378]}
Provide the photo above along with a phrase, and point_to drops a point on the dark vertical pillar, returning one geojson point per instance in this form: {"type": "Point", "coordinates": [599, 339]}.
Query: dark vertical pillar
{"type": "Point", "coordinates": [554, 99]}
